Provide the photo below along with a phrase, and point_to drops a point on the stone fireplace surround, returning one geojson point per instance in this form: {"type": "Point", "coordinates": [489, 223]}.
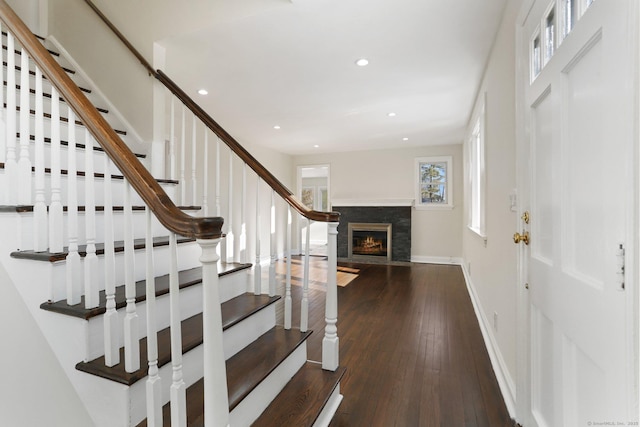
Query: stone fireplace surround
{"type": "Point", "coordinates": [397, 213]}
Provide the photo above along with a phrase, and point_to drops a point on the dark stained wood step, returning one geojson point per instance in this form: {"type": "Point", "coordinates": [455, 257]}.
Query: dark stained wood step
{"type": "Point", "coordinates": [33, 73]}
{"type": "Point", "coordinates": [186, 278]}
{"type": "Point", "coordinates": [245, 371]}
{"type": "Point", "coordinates": [4, 34]}
{"type": "Point", "coordinates": [19, 52]}
{"type": "Point", "coordinates": [47, 140]}
{"type": "Point", "coordinates": [48, 95]}
{"type": "Point", "coordinates": [233, 311]}
{"type": "Point", "coordinates": [302, 399]}
{"type": "Point", "coordinates": [119, 247]}
{"type": "Point", "coordinates": [97, 175]}
{"type": "Point", "coordinates": [64, 119]}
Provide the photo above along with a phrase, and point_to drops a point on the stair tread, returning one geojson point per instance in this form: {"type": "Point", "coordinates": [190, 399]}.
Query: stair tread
{"type": "Point", "coordinates": [119, 247]}
{"type": "Point", "coordinates": [186, 278]}
{"type": "Point", "coordinates": [302, 399]}
{"type": "Point", "coordinates": [63, 143]}
{"type": "Point", "coordinates": [33, 73]}
{"type": "Point", "coordinates": [97, 175]}
{"type": "Point", "coordinates": [245, 371]}
{"type": "Point", "coordinates": [233, 311]}
{"type": "Point", "coordinates": [48, 95]}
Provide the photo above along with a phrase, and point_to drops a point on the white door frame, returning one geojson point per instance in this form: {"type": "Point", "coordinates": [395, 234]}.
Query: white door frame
{"type": "Point", "coordinates": [299, 168]}
{"type": "Point", "coordinates": [632, 266]}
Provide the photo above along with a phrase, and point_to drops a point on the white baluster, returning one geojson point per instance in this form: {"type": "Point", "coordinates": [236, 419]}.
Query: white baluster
{"type": "Point", "coordinates": [55, 208]}
{"type": "Point", "coordinates": [91, 280]}
{"type": "Point", "coordinates": [178, 387]}
{"type": "Point", "coordinates": [154, 384]}
{"type": "Point", "coordinates": [183, 158]}
{"type": "Point", "coordinates": [230, 238]}
{"type": "Point", "coordinates": [330, 342]}
{"type": "Point", "coordinates": [287, 286]}
{"type": "Point", "coordinates": [73, 264]}
{"type": "Point", "coordinates": [131, 343]}
{"type": "Point", "coordinates": [218, 210]}
{"type": "Point", "coordinates": [24, 163]}
{"type": "Point", "coordinates": [194, 159]}
{"type": "Point", "coordinates": [257, 269]}
{"type": "Point", "coordinates": [172, 140]}
{"type": "Point", "coordinates": [272, 241]}
{"type": "Point", "coordinates": [3, 125]}
{"type": "Point", "coordinates": [216, 401]}
{"type": "Point", "coordinates": [243, 217]}
{"type": "Point", "coordinates": [40, 206]}
{"type": "Point", "coordinates": [111, 324]}
{"type": "Point", "coordinates": [205, 173]}
{"type": "Point", "coordinates": [11, 165]}
{"type": "Point", "coordinates": [304, 307]}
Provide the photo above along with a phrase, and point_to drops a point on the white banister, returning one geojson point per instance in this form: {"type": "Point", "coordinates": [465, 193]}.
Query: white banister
{"type": "Point", "coordinates": [330, 342]}
{"type": "Point", "coordinates": [55, 208]}
{"type": "Point", "coordinates": [24, 163]}
{"type": "Point", "coordinates": [230, 238]}
{"type": "Point", "coordinates": [154, 384]}
{"type": "Point", "coordinates": [172, 139]}
{"type": "Point", "coordinates": [194, 164]}
{"type": "Point", "coordinates": [111, 319]}
{"type": "Point", "coordinates": [11, 165]}
{"type": "Point", "coordinates": [40, 233]}
{"type": "Point", "coordinates": [304, 306]}
{"type": "Point", "coordinates": [272, 246]}
{"type": "Point", "coordinates": [257, 269]}
{"type": "Point", "coordinates": [73, 264]}
{"type": "Point", "coordinates": [178, 387]}
{"type": "Point", "coordinates": [216, 400]}
{"type": "Point", "coordinates": [131, 343]}
{"type": "Point", "coordinates": [183, 159]}
{"type": "Point", "coordinates": [287, 292]}
{"type": "Point", "coordinates": [205, 172]}
{"type": "Point", "coordinates": [91, 290]}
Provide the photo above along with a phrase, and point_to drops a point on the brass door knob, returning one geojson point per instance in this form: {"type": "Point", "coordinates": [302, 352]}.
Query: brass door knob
{"type": "Point", "coordinates": [524, 237]}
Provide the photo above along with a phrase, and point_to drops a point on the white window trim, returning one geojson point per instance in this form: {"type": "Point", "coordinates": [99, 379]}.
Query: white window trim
{"type": "Point", "coordinates": [434, 206]}
{"type": "Point", "coordinates": [478, 128]}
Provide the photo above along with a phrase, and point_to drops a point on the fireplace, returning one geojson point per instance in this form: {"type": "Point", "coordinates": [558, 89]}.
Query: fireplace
{"type": "Point", "coordinates": [369, 241]}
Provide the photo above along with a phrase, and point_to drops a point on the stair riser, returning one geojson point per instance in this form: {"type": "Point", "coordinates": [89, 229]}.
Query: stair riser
{"type": "Point", "coordinates": [117, 191]}
{"type": "Point", "coordinates": [190, 303]}
{"type": "Point", "coordinates": [248, 330]}
{"type": "Point", "coordinates": [257, 401]}
{"type": "Point", "coordinates": [329, 410]}
{"type": "Point", "coordinates": [188, 254]}
{"type": "Point", "coordinates": [139, 228]}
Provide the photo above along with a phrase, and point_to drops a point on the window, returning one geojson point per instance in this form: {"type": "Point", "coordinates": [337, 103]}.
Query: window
{"type": "Point", "coordinates": [433, 178]}
{"type": "Point", "coordinates": [550, 34]}
{"type": "Point", "coordinates": [476, 175]}
{"type": "Point", "coordinates": [536, 62]}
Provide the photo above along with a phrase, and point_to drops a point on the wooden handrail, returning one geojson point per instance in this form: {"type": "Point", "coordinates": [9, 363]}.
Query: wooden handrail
{"type": "Point", "coordinates": [136, 174]}
{"type": "Point", "coordinates": [238, 149]}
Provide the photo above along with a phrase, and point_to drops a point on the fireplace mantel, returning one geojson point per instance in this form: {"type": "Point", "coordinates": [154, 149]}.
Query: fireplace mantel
{"type": "Point", "coordinates": [372, 202]}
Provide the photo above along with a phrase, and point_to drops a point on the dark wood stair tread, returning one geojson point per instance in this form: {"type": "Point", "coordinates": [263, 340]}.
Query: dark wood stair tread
{"type": "Point", "coordinates": [48, 95]}
{"type": "Point", "coordinates": [96, 175]}
{"type": "Point", "coordinates": [302, 399]}
{"type": "Point", "coordinates": [63, 143]}
{"type": "Point", "coordinates": [33, 73]}
{"type": "Point", "coordinates": [119, 247]}
{"type": "Point", "coordinates": [19, 52]}
{"type": "Point", "coordinates": [186, 278]}
{"type": "Point", "coordinates": [245, 371]}
{"type": "Point", "coordinates": [233, 311]}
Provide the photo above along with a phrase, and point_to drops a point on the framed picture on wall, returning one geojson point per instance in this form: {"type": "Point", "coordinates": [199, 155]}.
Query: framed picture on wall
{"type": "Point", "coordinates": [434, 182]}
{"type": "Point", "coordinates": [308, 196]}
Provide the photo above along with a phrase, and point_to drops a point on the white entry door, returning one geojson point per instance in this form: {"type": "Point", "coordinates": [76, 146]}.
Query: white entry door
{"type": "Point", "coordinates": [578, 122]}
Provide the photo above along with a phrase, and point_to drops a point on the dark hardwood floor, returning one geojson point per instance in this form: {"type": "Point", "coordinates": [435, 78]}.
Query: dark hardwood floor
{"type": "Point", "coordinates": [412, 347]}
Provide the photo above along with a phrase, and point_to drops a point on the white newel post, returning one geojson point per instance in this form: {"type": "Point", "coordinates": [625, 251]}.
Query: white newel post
{"type": "Point", "coordinates": [24, 163]}
{"type": "Point", "coordinates": [330, 342]}
{"type": "Point", "coordinates": [216, 399]}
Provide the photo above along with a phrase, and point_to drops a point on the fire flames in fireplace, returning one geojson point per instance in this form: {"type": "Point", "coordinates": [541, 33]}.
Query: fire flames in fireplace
{"type": "Point", "coordinates": [370, 244]}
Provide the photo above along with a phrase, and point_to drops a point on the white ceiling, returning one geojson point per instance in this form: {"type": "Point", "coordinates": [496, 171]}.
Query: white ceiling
{"type": "Point", "coordinates": [292, 64]}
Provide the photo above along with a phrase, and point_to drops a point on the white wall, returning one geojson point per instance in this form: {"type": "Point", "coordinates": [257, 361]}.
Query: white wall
{"type": "Point", "coordinates": [28, 11]}
{"type": "Point", "coordinates": [36, 391]}
{"type": "Point", "coordinates": [389, 174]}
{"type": "Point", "coordinates": [492, 266]}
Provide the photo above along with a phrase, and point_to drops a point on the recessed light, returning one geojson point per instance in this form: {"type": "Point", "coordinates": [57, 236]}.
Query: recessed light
{"type": "Point", "coordinates": [316, 146]}
{"type": "Point", "coordinates": [391, 114]}
{"type": "Point", "coordinates": [362, 62]}
{"type": "Point", "coordinates": [276, 127]}
{"type": "Point", "coordinates": [203, 92]}
{"type": "Point", "coordinates": [405, 139]}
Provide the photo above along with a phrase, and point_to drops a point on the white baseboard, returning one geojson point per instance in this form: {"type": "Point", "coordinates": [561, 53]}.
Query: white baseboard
{"type": "Point", "coordinates": [505, 381]}
{"type": "Point", "coordinates": [436, 260]}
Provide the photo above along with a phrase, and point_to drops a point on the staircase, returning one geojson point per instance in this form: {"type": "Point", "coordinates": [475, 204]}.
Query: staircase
{"type": "Point", "coordinates": [153, 321]}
